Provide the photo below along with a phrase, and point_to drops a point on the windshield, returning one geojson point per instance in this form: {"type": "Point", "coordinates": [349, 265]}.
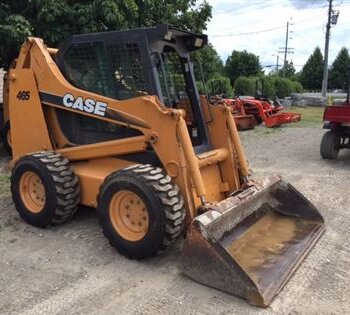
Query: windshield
{"type": "Point", "coordinates": [177, 88]}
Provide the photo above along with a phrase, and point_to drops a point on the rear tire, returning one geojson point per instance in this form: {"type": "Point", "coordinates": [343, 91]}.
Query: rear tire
{"type": "Point", "coordinates": [330, 145]}
{"type": "Point", "coordinates": [6, 137]}
{"type": "Point", "coordinates": [140, 210]}
{"type": "Point", "coordinates": [44, 189]}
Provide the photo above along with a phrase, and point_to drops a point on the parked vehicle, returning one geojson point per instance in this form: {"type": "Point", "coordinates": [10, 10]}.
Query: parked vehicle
{"type": "Point", "coordinates": [336, 118]}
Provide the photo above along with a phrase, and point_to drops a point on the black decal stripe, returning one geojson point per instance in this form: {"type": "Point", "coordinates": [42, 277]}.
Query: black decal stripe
{"type": "Point", "coordinates": [113, 114]}
{"type": "Point", "coordinates": [51, 98]}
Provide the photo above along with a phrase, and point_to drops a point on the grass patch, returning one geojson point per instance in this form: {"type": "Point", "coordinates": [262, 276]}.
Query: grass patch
{"type": "Point", "coordinates": [262, 130]}
{"type": "Point", "coordinates": [310, 116]}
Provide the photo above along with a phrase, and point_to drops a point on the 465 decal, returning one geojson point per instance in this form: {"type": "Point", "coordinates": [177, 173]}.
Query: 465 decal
{"type": "Point", "coordinates": [23, 95]}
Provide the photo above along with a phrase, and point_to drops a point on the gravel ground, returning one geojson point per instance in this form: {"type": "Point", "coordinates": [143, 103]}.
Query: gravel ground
{"type": "Point", "coordinates": [71, 269]}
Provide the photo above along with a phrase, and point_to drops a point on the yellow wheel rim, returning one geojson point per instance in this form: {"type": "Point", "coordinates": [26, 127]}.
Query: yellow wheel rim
{"type": "Point", "coordinates": [129, 215]}
{"type": "Point", "coordinates": [32, 192]}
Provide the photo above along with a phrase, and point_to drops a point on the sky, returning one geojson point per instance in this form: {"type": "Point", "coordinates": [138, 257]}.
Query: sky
{"type": "Point", "coordinates": [259, 26]}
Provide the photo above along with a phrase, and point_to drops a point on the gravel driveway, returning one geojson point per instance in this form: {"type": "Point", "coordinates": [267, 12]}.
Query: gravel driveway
{"type": "Point", "coordinates": [71, 269]}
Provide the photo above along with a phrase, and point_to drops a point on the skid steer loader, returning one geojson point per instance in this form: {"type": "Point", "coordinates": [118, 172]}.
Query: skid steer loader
{"type": "Point", "coordinates": [114, 121]}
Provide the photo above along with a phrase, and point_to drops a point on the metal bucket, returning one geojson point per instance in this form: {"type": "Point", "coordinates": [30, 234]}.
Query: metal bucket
{"type": "Point", "coordinates": [250, 244]}
{"type": "Point", "coordinates": [244, 122]}
{"type": "Point", "coordinates": [281, 118]}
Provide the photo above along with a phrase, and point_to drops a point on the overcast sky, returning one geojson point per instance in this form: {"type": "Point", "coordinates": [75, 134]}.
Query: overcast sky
{"type": "Point", "coordinates": [259, 26]}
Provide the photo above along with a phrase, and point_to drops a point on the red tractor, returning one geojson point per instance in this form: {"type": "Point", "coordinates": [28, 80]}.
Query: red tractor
{"type": "Point", "coordinates": [266, 110]}
{"type": "Point", "coordinates": [242, 119]}
{"type": "Point", "coordinates": [336, 118]}
{"type": "Point", "coordinates": [218, 95]}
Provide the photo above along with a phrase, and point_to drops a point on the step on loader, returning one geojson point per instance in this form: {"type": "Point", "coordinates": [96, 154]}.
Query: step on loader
{"type": "Point", "coordinates": [114, 121]}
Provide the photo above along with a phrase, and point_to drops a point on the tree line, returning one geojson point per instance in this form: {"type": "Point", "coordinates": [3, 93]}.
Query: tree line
{"type": "Point", "coordinates": [55, 20]}
{"type": "Point", "coordinates": [242, 68]}
{"type": "Point", "coordinates": [312, 73]}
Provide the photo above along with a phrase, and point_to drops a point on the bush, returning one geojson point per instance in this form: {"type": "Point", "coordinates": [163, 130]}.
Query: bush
{"type": "Point", "coordinates": [284, 87]}
{"type": "Point", "coordinates": [220, 85]}
{"type": "Point", "coordinates": [269, 86]}
{"type": "Point", "coordinates": [297, 87]}
{"type": "Point", "coordinates": [245, 86]}
{"type": "Point", "coordinates": [273, 86]}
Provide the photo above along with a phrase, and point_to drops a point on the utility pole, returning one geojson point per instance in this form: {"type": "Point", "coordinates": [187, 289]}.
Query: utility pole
{"type": "Point", "coordinates": [277, 61]}
{"type": "Point", "coordinates": [286, 50]}
{"type": "Point", "coordinates": [326, 48]}
{"type": "Point", "coordinates": [332, 20]}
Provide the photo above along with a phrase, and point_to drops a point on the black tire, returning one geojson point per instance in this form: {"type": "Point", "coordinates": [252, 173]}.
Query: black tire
{"type": "Point", "coordinates": [258, 119]}
{"type": "Point", "coordinates": [62, 191]}
{"type": "Point", "coordinates": [330, 145]}
{"type": "Point", "coordinates": [164, 203]}
{"type": "Point", "coordinates": [4, 137]}
{"type": "Point", "coordinates": [1, 115]}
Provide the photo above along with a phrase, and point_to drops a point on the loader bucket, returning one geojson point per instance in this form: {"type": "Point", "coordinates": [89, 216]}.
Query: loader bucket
{"type": "Point", "coordinates": [250, 244]}
{"type": "Point", "coordinates": [281, 118]}
{"type": "Point", "coordinates": [244, 122]}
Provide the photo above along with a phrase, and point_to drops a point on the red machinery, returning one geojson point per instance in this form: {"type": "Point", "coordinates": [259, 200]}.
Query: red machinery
{"type": "Point", "coordinates": [264, 111]}
{"type": "Point", "coordinates": [218, 95]}
{"type": "Point", "coordinates": [242, 119]}
{"type": "Point", "coordinates": [336, 118]}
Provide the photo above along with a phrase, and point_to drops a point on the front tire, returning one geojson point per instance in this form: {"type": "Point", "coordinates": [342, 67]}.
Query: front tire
{"type": "Point", "coordinates": [6, 137]}
{"type": "Point", "coordinates": [330, 145]}
{"type": "Point", "coordinates": [44, 189]}
{"type": "Point", "coordinates": [140, 210]}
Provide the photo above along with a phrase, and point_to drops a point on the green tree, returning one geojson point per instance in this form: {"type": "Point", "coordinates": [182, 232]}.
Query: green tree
{"type": "Point", "coordinates": [55, 20]}
{"type": "Point", "coordinates": [244, 86]}
{"type": "Point", "coordinates": [312, 73]}
{"type": "Point", "coordinates": [219, 84]}
{"type": "Point", "coordinates": [210, 61]}
{"type": "Point", "coordinates": [339, 68]}
{"type": "Point", "coordinates": [287, 71]}
{"type": "Point", "coordinates": [242, 63]}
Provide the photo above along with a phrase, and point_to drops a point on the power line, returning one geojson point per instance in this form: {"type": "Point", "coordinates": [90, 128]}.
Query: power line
{"type": "Point", "coordinates": [248, 33]}
{"type": "Point", "coordinates": [252, 7]}
{"type": "Point", "coordinates": [255, 8]}
{"type": "Point", "coordinates": [265, 30]}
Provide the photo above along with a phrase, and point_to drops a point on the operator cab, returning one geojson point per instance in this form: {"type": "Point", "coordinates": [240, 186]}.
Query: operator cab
{"type": "Point", "coordinates": [128, 64]}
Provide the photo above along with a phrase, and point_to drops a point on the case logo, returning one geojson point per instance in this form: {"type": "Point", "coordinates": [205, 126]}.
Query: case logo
{"type": "Point", "coordinates": [87, 105]}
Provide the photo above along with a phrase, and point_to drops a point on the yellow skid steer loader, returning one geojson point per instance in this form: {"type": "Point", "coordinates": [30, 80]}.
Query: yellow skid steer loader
{"type": "Point", "coordinates": [114, 121]}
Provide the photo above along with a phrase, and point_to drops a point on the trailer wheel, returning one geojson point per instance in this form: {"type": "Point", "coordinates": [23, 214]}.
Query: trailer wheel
{"type": "Point", "coordinates": [140, 210]}
{"type": "Point", "coordinates": [330, 145]}
{"type": "Point", "coordinates": [6, 138]}
{"type": "Point", "coordinates": [44, 189]}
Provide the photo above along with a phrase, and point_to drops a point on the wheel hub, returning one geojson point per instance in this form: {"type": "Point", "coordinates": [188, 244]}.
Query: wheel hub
{"type": "Point", "coordinates": [32, 192]}
{"type": "Point", "coordinates": [129, 215]}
